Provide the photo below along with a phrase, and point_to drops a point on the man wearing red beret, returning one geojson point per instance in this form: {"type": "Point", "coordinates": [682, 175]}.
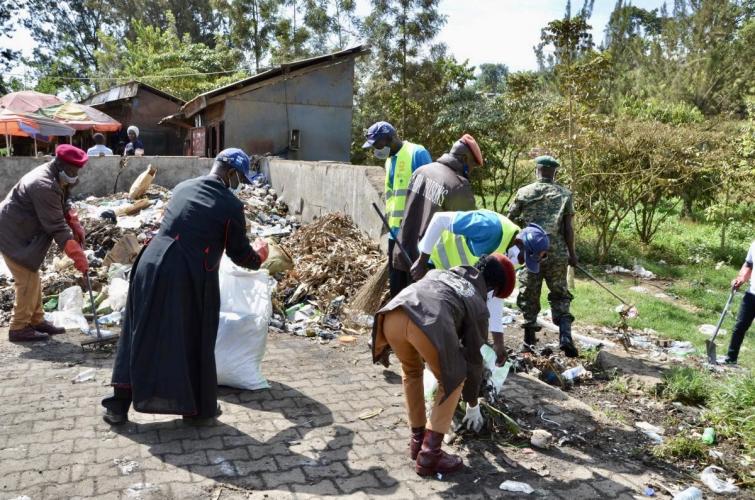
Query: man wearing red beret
{"type": "Point", "coordinates": [35, 213]}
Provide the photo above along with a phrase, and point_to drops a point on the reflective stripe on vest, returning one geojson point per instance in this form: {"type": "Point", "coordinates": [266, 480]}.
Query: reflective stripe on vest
{"type": "Point", "coordinates": [395, 195]}
{"type": "Point", "coordinates": [452, 250]}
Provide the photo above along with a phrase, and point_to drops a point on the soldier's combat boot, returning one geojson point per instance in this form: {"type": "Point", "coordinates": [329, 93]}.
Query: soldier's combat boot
{"type": "Point", "coordinates": [530, 339]}
{"type": "Point", "coordinates": [566, 343]}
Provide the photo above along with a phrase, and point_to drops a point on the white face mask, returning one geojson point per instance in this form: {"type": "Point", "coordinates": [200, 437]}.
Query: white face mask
{"type": "Point", "coordinates": [235, 190]}
{"type": "Point", "coordinates": [64, 178]}
{"type": "Point", "coordinates": [382, 154]}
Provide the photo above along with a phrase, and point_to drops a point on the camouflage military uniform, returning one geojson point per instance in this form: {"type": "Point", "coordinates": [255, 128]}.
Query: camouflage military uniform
{"type": "Point", "coordinates": [544, 203]}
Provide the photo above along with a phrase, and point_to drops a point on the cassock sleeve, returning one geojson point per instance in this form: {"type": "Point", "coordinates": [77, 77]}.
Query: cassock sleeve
{"type": "Point", "coordinates": [237, 247]}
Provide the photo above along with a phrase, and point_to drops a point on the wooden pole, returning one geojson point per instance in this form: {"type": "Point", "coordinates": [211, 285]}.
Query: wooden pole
{"type": "Point", "coordinates": [35, 145]}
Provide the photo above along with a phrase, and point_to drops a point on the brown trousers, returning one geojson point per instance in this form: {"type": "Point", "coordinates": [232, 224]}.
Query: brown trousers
{"type": "Point", "coordinates": [412, 346]}
{"type": "Point", "coordinates": [27, 309]}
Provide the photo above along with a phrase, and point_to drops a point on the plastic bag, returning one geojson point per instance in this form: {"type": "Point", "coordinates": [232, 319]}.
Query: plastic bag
{"type": "Point", "coordinates": [716, 485]}
{"type": "Point", "coordinates": [498, 374]}
{"type": "Point", "coordinates": [142, 183]}
{"type": "Point", "coordinates": [117, 294]}
{"type": "Point", "coordinates": [431, 387]}
{"type": "Point", "coordinates": [124, 251]}
{"type": "Point", "coordinates": [279, 260]}
{"type": "Point", "coordinates": [71, 299]}
{"type": "Point", "coordinates": [245, 311]}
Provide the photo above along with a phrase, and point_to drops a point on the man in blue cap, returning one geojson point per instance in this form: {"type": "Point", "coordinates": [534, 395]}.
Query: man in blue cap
{"type": "Point", "coordinates": [402, 158]}
{"type": "Point", "coordinates": [166, 353]}
{"type": "Point", "coordinates": [461, 238]}
{"type": "Point", "coordinates": [550, 206]}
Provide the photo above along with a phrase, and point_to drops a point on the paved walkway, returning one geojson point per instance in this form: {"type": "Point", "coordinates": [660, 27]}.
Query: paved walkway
{"type": "Point", "coordinates": [302, 438]}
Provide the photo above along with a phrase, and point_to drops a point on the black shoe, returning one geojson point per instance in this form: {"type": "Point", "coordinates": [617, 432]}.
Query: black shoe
{"type": "Point", "coordinates": [530, 339]}
{"type": "Point", "coordinates": [569, 350]}
{"type": "Point", "coordinates": [113, 418]}
{"type": "Point", "coordinates": [729, 361]}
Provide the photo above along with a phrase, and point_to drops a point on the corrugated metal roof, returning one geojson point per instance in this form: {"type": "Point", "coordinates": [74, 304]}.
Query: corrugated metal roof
{"type": "Point", "coordinates": [199, 102]}
{"type": "Point", "coordinates": [125, 91]}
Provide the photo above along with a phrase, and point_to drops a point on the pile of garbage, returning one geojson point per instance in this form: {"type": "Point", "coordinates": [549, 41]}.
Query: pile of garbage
{"type": "Point", "coordinates": [333, 260]}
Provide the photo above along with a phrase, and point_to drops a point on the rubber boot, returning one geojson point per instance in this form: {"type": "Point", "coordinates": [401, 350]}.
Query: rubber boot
{"type": "Point", "coordinates": [415, 444]}
{"type": "Point", "coordinates": [565, 341]}
{"type": "Point", "coordinates": [431, 460]}
{"type": "Point", "coordinates": [530, 339]}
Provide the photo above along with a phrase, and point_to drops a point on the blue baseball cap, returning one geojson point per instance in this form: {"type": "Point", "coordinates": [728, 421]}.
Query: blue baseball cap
{"type": "Point", "coordinates": [236, 159]}
{"type": "Point", "coordinates": [535, 241]}
{"type": "Point", "coordinates": [376, 131]}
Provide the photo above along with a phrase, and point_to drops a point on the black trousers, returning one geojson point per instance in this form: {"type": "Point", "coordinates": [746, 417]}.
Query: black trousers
{"type": "Point", "coordinates": [397, 279]}
{"type": "Point", "coordinates": [744, 321]}
{"type": "Point", "coordinates": [120, 402]}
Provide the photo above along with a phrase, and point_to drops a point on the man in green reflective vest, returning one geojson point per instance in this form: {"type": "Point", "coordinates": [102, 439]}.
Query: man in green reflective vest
{"type": "Point", "coordinates": [402, 158]}
{"type": "Point", "coordinates": [461, 238]}
{"type": "Point", "coordinates": [550, 206]}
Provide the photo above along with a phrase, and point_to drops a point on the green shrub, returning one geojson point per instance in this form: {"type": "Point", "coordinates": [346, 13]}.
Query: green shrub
{"type": "Point", "coordinates": [681, 447]}
{"type": "Point", "coordinates": [686, 385]}
{"type": "Point", "coordinates": [731, 409]}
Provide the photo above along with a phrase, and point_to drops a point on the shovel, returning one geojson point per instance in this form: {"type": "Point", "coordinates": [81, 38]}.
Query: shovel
{"type": "Point", "coordinates": [710, 345]}
{"type": "Point", "coordinates": [604, 287]}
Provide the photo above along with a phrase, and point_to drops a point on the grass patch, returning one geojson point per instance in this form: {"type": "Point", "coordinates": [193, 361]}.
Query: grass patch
{"type": "Point", "coordinates": [681, 447]}
{"type": "Point", "coordinates": [686, 385]}
{"type": "Point", "coordinates": [618, 384]}
{"type": "Point", "coordinates": [731, 409]}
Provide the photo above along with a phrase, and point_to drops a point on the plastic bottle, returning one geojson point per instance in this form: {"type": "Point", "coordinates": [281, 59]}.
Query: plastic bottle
{"type": "Point", "coordinates": [84, 376]}
{"type": "Point", "coordinates": [709, 435]}
{"type": "Point", "coordinates": [690, 493]}
{"type": "Point", "coordinates": [574, 373]}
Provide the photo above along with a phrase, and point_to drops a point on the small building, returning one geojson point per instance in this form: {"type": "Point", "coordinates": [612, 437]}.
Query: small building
{"type": "Point", "coordinates": [136, 103]}
{"type": "Point", "coordinates": [300, 110]}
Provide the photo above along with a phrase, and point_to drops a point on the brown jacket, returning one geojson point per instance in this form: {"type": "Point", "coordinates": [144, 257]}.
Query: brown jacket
{"type": "Point", "coordinates": [436, 187]}
{"type": "Point", "coordinates": [450, 307]}
{"type": "Point", "coordinates": [31, 216]}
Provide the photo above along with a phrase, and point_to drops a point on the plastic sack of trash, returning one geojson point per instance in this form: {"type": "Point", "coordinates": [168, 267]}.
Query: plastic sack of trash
{"type": "Point", "coordinates": [245, 311]}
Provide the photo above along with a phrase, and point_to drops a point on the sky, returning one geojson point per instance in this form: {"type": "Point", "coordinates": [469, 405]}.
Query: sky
{"type": "Point", "coordinates": [480, 31]}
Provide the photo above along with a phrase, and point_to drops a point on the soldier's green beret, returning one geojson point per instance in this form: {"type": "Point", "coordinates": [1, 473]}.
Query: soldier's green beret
{"type": "Point", "coordinates": [547, 161]}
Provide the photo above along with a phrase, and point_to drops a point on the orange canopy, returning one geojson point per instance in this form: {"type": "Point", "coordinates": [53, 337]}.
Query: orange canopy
{"type": "Point", "coordinates": [30, 125]}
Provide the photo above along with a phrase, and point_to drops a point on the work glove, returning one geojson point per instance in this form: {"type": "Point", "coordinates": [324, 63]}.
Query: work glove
{"type": "Point", "coordinates": [73, 222]}
{"type": "Point", "coordinates": [74, 251]}
{"type": "Point", "coordinates": [473, 418]}
{"type": "Point", "coordinates": [261, 248]}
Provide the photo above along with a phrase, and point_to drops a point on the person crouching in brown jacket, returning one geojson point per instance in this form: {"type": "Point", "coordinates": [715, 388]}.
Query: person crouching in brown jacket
{"type": "Point", "coordinates": [33, 215]}
{"type": "Point", "coordinates": [441, 321]}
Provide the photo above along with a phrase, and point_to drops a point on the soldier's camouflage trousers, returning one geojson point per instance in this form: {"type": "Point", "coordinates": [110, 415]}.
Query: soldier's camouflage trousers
{"type": "Point", "coordinates": [553, 271]}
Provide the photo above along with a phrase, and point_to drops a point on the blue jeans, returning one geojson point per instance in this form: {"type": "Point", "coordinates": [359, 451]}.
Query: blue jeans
{"type": "Point", "coordinates": [744, 320]}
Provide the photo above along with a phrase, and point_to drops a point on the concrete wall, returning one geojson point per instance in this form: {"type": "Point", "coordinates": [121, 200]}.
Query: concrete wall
{"type": "Point", "coordinates": [310, 189]}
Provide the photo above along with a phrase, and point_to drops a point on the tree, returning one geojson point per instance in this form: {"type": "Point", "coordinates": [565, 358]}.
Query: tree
{"type": "Point", "coordinates": [251, 26]}
{"type": "Point", "coordinates": [492, 78]}
{"type": "Point", "coordinates": [399, 29]}
{"type": "Point", "coordinates": [7, 55]}
{"type": "Point", "coordinates": [67, 41]}
{"type": "Point", "coordinates": [176, 65]}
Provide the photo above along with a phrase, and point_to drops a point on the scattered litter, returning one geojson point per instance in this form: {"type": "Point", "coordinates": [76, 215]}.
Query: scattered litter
{"type": "Point", "coordinates": [541, 439]}
{"type": "Point", "coordinates": [716, 485]}
{"type": "Point", "coordinates": [370, 413]}
{"type": "Point", "coordinates": [709, 330]}
{"type": "Point", "coordinates": [681, 348]}
{"type": "Point", "coordinates": [111, 319]}
{"type": "Point", "coordinates": [649, 492]}
{"type": "Point", "coordinates": [576, 373]}
{"type": "Point", "coordinates": [709, 436]}
{"type": "Point", "coordinates": [516, 487]}
{"type": "Point", "coordinates": [639, 289]}
{"type": "Point", "coordinates": [84, 376]}
{"type": "Point", "coordinates": [651, 431]}
{"type": "Point", "coordinates": [139, 489]}
{"type": "Point", "coordinates": [126, 466]}
{"type": "Point", "coordinates": [643, 273]}
{"type": "Point", "coordinates": [690, 493]}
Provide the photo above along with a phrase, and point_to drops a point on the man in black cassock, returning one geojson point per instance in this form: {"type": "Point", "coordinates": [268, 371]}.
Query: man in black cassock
{"type": "Point", "coordinates": [166, 353]}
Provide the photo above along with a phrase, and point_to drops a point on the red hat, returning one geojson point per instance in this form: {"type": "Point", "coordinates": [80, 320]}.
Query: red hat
{"type": "Point", "coordinates": [508, 273]}
{"type": "Point", "coordinates": [71, 155]}
{"type": "Point", "coordinates": [473, 147]}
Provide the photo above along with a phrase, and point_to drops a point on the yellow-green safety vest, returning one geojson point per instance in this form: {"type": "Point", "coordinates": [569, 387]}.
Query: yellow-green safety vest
{"type": "Point", "coordinates": [395, 195]}
{"type": "Point", "coordinates": [453, 250]}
